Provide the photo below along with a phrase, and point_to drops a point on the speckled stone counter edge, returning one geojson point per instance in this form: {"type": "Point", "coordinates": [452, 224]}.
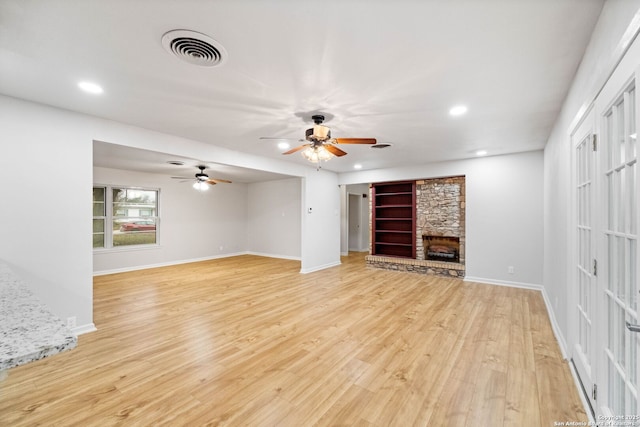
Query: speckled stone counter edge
{"type": "Point", "coordinates": [28, 330]}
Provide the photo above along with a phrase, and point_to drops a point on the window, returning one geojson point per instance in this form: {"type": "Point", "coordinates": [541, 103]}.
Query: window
{"type": "Point", "coordinates": [99, 216]}
{"type": "Point", "coordinates": [124, 216]}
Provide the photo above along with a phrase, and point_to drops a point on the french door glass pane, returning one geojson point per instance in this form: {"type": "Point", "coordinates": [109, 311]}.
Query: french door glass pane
{"type": "Point", "coordinates": [620, 268]}
{"type": "Point", "coordinates": [611, 271]}
{"type": "Point", "coordinates": [620, 134]}
{"type": "Point", "coordinates": [620, 223]}
{"type": "Point", "coordinates": [633, 136]}
{"type": "Point", "coordinates": [620, 349]}
{"type": "Point", "coordinates": [610, 212]}
{"type": "Point", "coordinates": [633, 371]}
{"type": "Point", "coordinates": [610, 323]}
{"type": "Point", "coordinates": [633, 276]}
{"type": "Point", "coordinates": [608, 124]}
{"type": "Point", "coordinates": [633, 194]}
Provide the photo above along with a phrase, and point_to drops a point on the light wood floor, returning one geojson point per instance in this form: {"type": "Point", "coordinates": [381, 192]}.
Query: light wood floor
{"type": "Point", "coordinates": [250, 341]}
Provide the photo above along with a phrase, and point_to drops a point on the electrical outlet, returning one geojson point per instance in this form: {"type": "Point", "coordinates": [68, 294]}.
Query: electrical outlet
{"type": "Point", "coordinates": [221, 248]}
{"type": "Point", "coordinates": [510, 269]}
{"type": "Point", "coordinates": [71, 322]}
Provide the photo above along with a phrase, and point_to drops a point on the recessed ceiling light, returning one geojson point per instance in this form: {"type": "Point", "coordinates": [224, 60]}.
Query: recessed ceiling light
{"type": "Point", "coordinates": [481, 153]}
{"type": "Point", "coordinates": [90, 87]}
{"type": "Point", "coordinates": [458, 110]}
{"type": "Point", "coordinates": [357, 166]}
{"type": "Point", "coordinates": [283, 145]}
{"type": "Point", "coordinates": [633, 135]}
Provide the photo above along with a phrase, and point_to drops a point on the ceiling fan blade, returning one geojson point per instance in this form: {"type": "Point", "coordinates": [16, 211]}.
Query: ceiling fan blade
{"type": "Point", "coordinates": [214, 181]}
{"type": "Point", "coordinates": [334, 150]}
{"type": "Point", "coordinates": [355, 140]}
{"type": "Point", "coordinates": [298, 148]}
{"type": "Point", "coordinates": [181, 177]}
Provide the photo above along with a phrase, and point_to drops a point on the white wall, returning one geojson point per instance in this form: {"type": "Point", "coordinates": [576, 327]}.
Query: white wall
{"type": "Point", "coordinates": [46, 171]}
{"type": "Point", "coordinates": [45, 219]}
{"type": "Point", "coordinates": [274, 218]}
{"type": "Point", "coordinates": [192, 226]}
{"type": "Point", "coordinates": [503, 212]}
{"type": "Point", "coordinates": [609, 38]}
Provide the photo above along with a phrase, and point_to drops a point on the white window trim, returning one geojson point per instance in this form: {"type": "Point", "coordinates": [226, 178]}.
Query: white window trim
{"type": "Point", "coordinates": [108, 226]}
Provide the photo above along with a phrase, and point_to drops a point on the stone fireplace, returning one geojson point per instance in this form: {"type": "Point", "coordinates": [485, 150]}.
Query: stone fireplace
{"type": "Point", "coordinates": [440, 230]}
{"type": "Point", "coordinates": [440, 216]}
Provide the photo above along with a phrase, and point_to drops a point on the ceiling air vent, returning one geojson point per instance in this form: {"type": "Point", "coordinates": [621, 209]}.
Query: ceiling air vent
{"type": "Point", "coordinates": [381, 145]}
{"type": "Point", "coordinates": [194, 48]}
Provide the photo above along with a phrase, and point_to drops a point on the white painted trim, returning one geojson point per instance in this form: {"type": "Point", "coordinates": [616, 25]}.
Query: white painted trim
{"type": "Point", "coordinates": [187, 261]}
{"type": "Point", "coordinates": [165, 264]}
{"type": "Point", "coordinates": [554, 324]}
{"type": "Point", "coordinates": [320, 267]}
{"type": "Point", "coordinates": [522, 285]}
{"type": "Point", "coordinates": [293, 258]}
{"type": "Point", "coordinates": [84, 329]}
{"type": "Point", "coordinates": [562, 343]}
{"type": "Point", "coordinates": [583, 398]}
{"type": "Point", "coordinates": [344, 253]}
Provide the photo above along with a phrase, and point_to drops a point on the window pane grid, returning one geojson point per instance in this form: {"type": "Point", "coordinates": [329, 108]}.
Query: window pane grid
{"type": "Point", "coordinates": [621, 281]}
{"type": "Point", "coordinates": [131, 219]}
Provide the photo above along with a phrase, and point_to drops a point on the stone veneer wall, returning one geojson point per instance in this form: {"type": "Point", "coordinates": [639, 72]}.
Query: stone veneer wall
{"type": "Point", "coordinates": [438, 268]}
{"type": "Point", "coordinates": [440, 205]}
{"type": "Point", "coordinates": [441, 210]}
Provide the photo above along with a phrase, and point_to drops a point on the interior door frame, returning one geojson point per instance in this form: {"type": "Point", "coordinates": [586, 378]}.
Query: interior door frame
{"type": "Point", "coordinates": [359, 203]}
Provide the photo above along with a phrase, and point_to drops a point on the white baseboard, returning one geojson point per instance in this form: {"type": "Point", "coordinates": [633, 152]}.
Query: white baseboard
{"type": "Point", "coordinates": [165, 264]}
{"type": "Point", "coordinates": [536, 287]}
{"type": "Point", "coordinates": [522, 285]}
{"type": "Point", "coordinates": [293, 258]}
{"type": "Point", "coordinates": [554, 324]}
{"type": "Point", "coordinates": [583, 398]}
{"type": "Point", "coordinates": [320, 267]}
{"type": "Point", "coordinates": [84, 329]}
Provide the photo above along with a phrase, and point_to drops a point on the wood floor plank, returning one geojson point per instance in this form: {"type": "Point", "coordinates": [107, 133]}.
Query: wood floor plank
{"type": "Point", "coordinates": [250, 341]}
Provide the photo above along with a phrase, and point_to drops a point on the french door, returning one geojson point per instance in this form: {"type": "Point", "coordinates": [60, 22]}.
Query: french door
{"type": "Point", "coordinates": [605, 337]}
{"type": "Point", "coordinates": [619, 243]}
{"type": "Point", "coordinates": [585, 292]}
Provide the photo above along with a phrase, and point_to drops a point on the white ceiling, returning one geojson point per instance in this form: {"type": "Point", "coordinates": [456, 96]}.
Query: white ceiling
{"type": "Point", "coordinates": [384, 69]}
{"type": "Point", "coordinates": [128, 158]}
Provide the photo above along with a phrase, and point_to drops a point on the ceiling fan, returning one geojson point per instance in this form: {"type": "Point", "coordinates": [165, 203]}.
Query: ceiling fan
{"type": "Point", "coordinates": [202, 179]}
{"type": "Point", "coordinates": [321, 146]}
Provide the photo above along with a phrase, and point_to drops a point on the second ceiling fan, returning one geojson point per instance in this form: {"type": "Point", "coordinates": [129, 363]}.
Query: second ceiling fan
{"type": "Point", "coordinates": [202, 180]}
{"type": "Point", "coordinates": [321, 146]}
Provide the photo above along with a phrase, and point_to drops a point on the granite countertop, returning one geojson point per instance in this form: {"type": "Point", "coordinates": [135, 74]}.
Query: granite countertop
{"type": "Point", "coordinates": [28, 330]}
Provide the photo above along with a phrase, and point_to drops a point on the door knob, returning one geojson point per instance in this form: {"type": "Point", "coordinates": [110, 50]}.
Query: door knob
{"type": "Point", "coordinates": [632, 327]}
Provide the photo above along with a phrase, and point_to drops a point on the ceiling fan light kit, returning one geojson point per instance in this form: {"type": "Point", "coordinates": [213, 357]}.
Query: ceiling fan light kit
{"type": "Point", "coordinates": [202, 180]}
{"type": "Point", "coordinates": [316, 154]}
{"type": "Point", "coordinates": [201, 186]}
{"type": "Point", "coordinates": [322, 146]}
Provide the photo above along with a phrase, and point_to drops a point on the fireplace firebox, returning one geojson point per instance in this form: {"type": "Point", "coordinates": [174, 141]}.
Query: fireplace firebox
{"type": "Point", "coordinates": [441, 248]}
